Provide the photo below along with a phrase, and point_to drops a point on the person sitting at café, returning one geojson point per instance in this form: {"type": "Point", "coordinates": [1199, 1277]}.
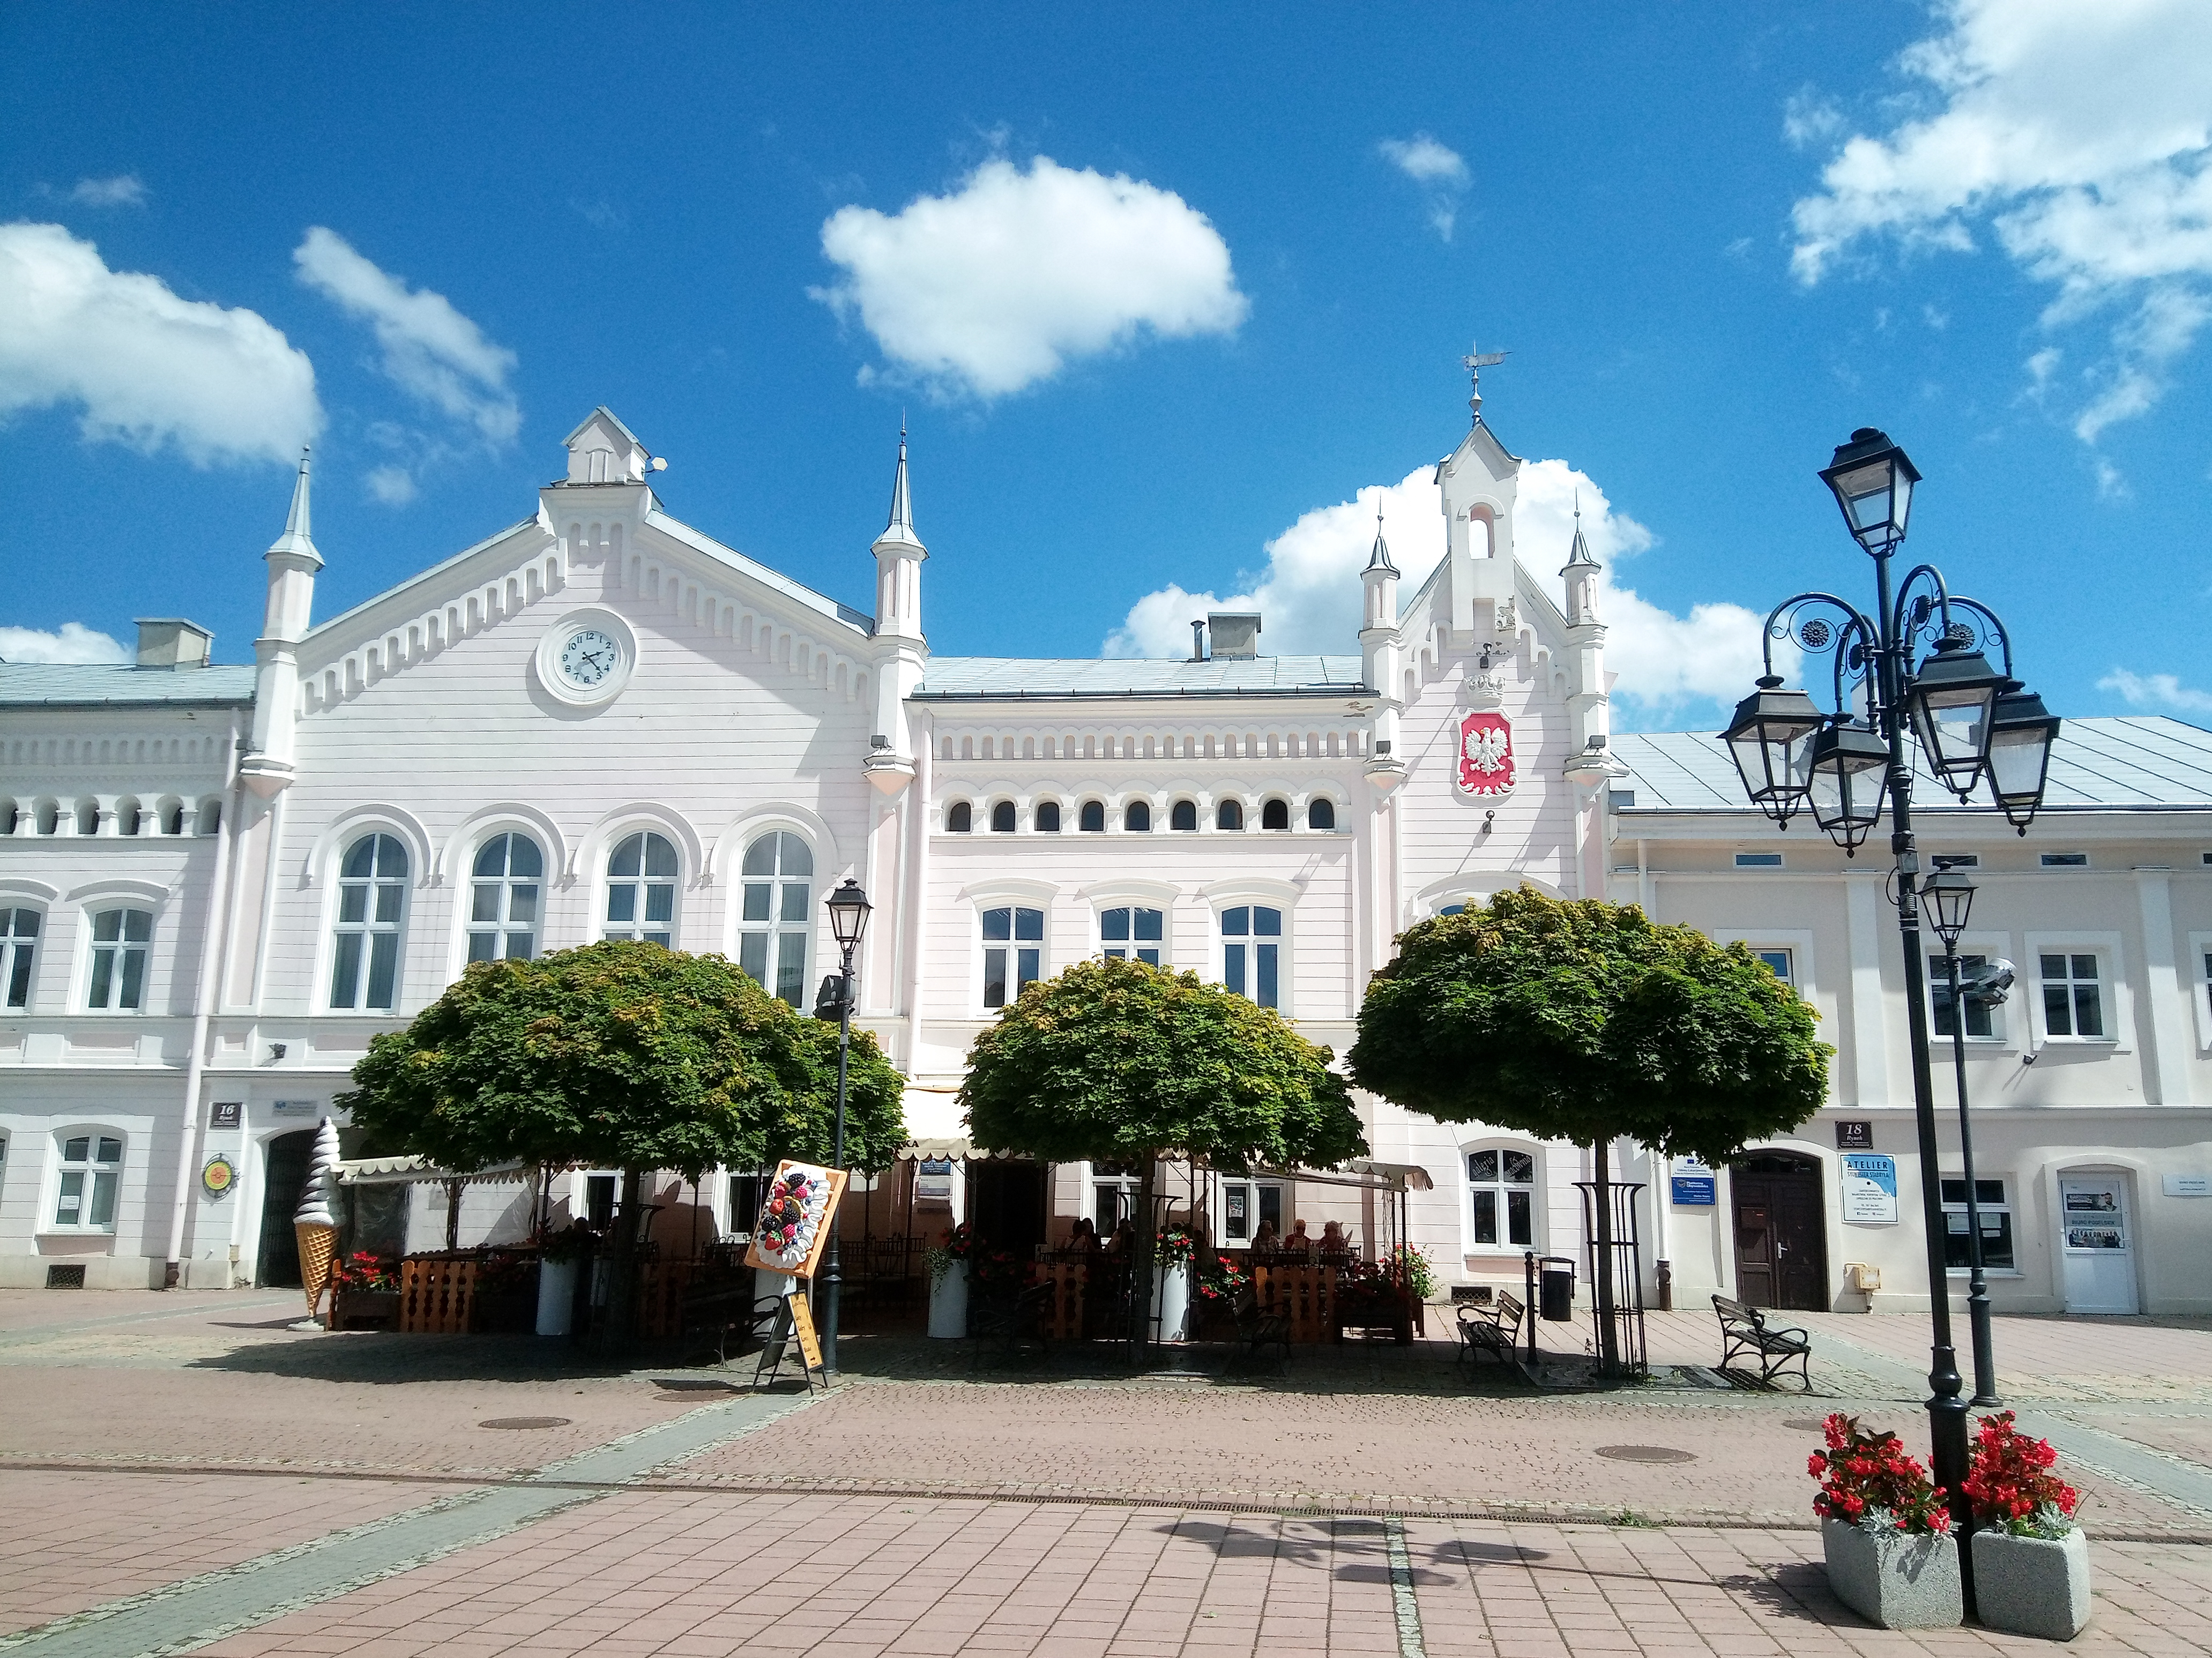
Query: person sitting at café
{"type": "Point", "coordinates": [1124, 1240]}
{"type": "Point", "coordinates": [1085, 1236]}
{"type": "Point", "coordinates": [1332, 1241]}
{"type": "Point", "coordinates": [1264, 1241]}
{"type": "Point", "coordinates": [1297, 1243]}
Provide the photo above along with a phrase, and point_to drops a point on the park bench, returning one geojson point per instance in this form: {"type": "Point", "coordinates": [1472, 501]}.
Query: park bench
{"type": "Point", "coordinates": [1746, 1333]}
{"type": "Point", "coordinates": [1006, 1322]}
{"type": "Point", "coordinates": [714, 1309]}
{"type": "Point", "coordinates": [1259, 1328]}
{"type": "Point", "coordinates": [1495, 1329]}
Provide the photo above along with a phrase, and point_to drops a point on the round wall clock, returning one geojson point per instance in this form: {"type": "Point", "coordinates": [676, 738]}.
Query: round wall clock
{"type": "Point", "coordinates": [586, 657]}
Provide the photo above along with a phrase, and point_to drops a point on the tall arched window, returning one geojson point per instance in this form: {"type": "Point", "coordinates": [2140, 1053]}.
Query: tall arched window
{"type": "Point", "coordinates": [1048, 817]}
{"type": "Point", "coordinates": [960, 819]}
{"type": "Point", "coordinates": [1092, 820]}
{"type": "Point", "coordinates": [120, 940]}
{"type": "Point", "coordinates": [1183, 815]}
{"type": "Point", "coordinates": [641, 889]}
{"type": "Point", "coordinates": [503, 912]}
{"type": "Point", "coordinates": [1251, 952]}
{"type": "Point", "coordinates": [1131, 931]}
{"type": "Point", "coordinates": [19, 943]}
{"type": "Point", "coordinates": [1229, 815]}
{"type": "Point", "coordinates": [1136, 817]}
{"type": "Point", "coordinates": [1321, 814]}
{"type": "Point", "coordinates": [779, 915]}
{"type": "Point", "coordinates": [1275, 815]}
{"type": "Point", "coordinates": [1002, 818]}
{"type": "Point", "coordinates": [372, 906]}
{"type": "Point", "coordinates": [1501, 1185]}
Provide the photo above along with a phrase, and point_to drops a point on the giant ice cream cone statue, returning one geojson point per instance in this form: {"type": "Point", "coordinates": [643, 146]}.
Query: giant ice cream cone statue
{"type": "Point", "coordinates": [316, 1220]}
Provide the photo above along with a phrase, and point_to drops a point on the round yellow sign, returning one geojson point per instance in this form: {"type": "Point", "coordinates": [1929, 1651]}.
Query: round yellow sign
{"type": "Point", "coordinates": [218, 1177]}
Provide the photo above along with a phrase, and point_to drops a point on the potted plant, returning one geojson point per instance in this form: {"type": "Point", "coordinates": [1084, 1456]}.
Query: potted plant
{"type": "Point", "coordinates": [1409, 1264]}
{"type": "Point", "coordinates": [1173, 1253]}
{"type": "Point", "coordinates": [1886, 1534]}
{"type": "Point", "coordinates": [560, 1259]}
{"type": "Point", "coordinates": [2031, 1559]}
{"type": "Point", "coordinates": [364, 1293]}
{"type": "Point", "coordinates": [1217, 1288]}
{"type": "Point", "coordinates": [505, 1298]}
{"type": "Point", "coordinates": [946, 1260]}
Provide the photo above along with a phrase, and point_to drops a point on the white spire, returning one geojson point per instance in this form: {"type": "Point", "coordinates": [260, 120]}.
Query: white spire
{"type": "Point", "coordinates": [899, 531]}
{"type": "Point", "coordinates": [297, 539]}
{"type": "Point", "coordinates": [1379, 559]}
{"type": "Point", "coordinates": [1578, 554]}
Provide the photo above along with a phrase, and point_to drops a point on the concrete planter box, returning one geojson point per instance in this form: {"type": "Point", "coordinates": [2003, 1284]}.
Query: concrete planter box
{"type": "Point", "coordinates": [1890, 1578]}
{"type": "Point", "coordinates": [948, 1303]}
{"type": "Point", "coordinates": [556, 1296]}
{"type": "Point", "coordinates": [2032, 1585]}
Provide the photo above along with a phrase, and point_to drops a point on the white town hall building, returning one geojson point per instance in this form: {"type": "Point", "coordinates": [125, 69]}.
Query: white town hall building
{"type": "Point", "coordinates": [217, 883]}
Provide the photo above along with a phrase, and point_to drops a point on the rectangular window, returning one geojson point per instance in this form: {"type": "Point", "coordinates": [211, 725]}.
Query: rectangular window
{"type": "Point", "coordinates": [1780, 962]}
{"type": "Point", "coordinates": [2065, 860]}
{"type": "Point", "coordinates": [1997, 1224]}
{"type": "Point", "coordinates": [19, 940]}
{"type": "Point", "coordinates": [1979, 1020]}
{"type": "Point", "coordinates": [1138, 932]}
{"type": "Point", "coordinates": [1503, 1184]}
{"type": "Point", "coordinates": [91, 1171]}
{"type": "Point", "coordinates": [118, 957]}
{"type": "Point", "coordinates": [2073, 1001]}
{"type": "Point", "coordinates": [1251, 952]}
{"type": "Point", "coordinates": [1758, 860]}
{"type": "Point", "coordinates": [1246, 1206]}
{"type": "Point", "coordinates": [1013, 940]}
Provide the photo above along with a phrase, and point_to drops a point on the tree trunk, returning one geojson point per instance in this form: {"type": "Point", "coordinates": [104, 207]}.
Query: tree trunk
{"type": "Point", "coordinates": [1608, 1334]}
{"type": "Point", "coordinates": [622, 1269]}
{"type": "Point", "coordinates": [1140, 1267]}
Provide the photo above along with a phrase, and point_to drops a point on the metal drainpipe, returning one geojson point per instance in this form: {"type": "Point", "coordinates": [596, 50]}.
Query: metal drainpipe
{"type": "Point", "coordinates": [212, 951]}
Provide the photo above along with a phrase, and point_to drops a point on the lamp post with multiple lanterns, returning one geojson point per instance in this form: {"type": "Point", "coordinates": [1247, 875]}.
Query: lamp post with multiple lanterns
{"type": "Point", "coordinates": [1918, 664]}
{"type": "Point", "coordinates": [848, 909]}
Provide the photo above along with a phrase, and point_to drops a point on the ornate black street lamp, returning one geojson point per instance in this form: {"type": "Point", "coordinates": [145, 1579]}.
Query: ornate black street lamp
{"type": "Point", "coordinates": [1949, 898]}
{"type": "Point", "coordinates": [1918, 664]}
{"type": "Point", "coordinates": [848, 909]}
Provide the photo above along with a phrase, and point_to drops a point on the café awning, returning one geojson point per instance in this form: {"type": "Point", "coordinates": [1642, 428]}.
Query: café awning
{"type": "Point", "coordinates": [421, 1171]}
{"type": "Point", "coordinates": [953, 1150]}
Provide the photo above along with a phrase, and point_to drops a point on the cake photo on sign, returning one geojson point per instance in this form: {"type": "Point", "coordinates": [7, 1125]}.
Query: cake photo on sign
{"type": "Point", "coordinates": [791, 1217]}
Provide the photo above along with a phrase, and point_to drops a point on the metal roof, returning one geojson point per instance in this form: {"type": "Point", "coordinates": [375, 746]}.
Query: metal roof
{"type": "Point", "coordinates": [1010, 676]}
{"type": "Point", "coordinates": [2112, 763]}
{"type": "Point", "coordinates": [105, 685]}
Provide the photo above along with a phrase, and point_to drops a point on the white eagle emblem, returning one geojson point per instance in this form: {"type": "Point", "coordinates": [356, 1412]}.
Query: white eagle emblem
{"type": "Point", "coordinates": [1486, 749]}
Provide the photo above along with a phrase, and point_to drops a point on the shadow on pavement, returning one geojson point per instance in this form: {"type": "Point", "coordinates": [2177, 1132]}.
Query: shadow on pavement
{"type": "Point", "coordinates": [1797, 1590]}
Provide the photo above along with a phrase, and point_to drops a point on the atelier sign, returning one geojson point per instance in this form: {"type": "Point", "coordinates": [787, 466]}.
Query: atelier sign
{"type": "Point", "coordinates": [1869, 1188]}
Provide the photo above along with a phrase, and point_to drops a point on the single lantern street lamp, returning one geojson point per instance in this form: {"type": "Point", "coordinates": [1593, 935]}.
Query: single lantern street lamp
{"type": "Point", "coordinates": [1949, 898]}
{"type": "Point", "coordinates": [849, 908]}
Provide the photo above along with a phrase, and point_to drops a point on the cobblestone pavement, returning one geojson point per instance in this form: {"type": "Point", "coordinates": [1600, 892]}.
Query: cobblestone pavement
{"type": "Point", "coordinates": [186, 1473]}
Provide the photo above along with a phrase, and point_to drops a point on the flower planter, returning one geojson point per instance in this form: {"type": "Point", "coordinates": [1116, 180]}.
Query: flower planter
{"type": "Point", "coordinates": [948, 1303]}
{"type": "Point", "coordinates": [1895, 1579]}
{"type": "Point", "coordinates": [364, 1309]}
{"type": "Point", "coordinates": [2032, 1585]}
{"type": "Point", "coordinates": [556, 1296]}
{"type": "Point", "coordinates": [1171, 1295]}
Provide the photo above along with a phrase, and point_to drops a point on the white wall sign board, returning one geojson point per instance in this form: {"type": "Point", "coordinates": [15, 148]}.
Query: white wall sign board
{"type": "Point", "coordinates": [1869, 1188]}
{"type": "Point", "coordinates": [2186, 1185]}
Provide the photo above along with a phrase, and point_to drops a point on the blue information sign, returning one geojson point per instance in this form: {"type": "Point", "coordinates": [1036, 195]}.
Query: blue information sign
{"type": "Point", "coordinates": [1695, 1189]}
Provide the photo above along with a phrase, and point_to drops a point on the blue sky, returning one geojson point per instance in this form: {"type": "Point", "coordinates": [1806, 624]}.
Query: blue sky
{"type": "Point", "coordinates": [1157, 293]}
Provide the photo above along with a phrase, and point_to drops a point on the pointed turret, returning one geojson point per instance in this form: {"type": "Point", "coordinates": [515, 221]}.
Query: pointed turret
{"type": "Point", "coordinates": [293, 562]}
{"type": "Point", "coordinates": [899, 530]}
{"type": "Point", "coordinates": [1379, 557]}
{"type": "Point", "coordinates": [899, 556]}
{"type": "Point", "coordinates": [1580, 571]}
{"type": "Point", "coordinates": [1378, 650]}
{"type": "Point", "coordinates": [297, 539]}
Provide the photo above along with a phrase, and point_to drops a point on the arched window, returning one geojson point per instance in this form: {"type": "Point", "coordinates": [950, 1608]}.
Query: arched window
{"type": "Point", "coordinates": [88, 817]}
{"type": "Point", "coordinates": [1048, 817]}
{"type": "Point", "coordinates": [1002, 818]}
{"type": "Point", "coordinates": [19, 943]}
{"type": "Point", "coordinates": [1275, 815]}
{"type": "Point", "coordinates": [176, 823]}
{"type": "Point", "coordinates": [503, 913]}
{"type": "Point", "coordinates": [1229, 815]}
{"type": "Point", "coordinates": [1183, 815]}
{"type": "Point", "coordinates": [119, 938]}
{"type": "Point", "coordinates": [641, 889]}
{"type": "Point", "coordinates": [1013, 952]}
{"type": "Point", "coordinates": [779, 914]}
{"type": "Point", "coordinates": [960, 819]}
{"type": "Point", "coordinates": [1093, 818]}
{"type": "Point", "coordinates": [1501, 1183]}
{"type": "Point", "coordinates": [1126, 933]}
{"type": "Point", "coordinates": [91, 1167]}
{"type": "Point", "coordinates": [1251, 952]}
{"type": "Point", "coordinates": [1321, 814]}
{"type": "Point", "coordinates": [1136, 817]}
{"type": "Point", "coordinates": [211, 817]}
{"type": "Point", "coordinates": [372, 905]}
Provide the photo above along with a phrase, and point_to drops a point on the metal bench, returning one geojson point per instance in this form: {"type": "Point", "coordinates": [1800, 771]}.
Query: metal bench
{"type": "Point", "coordinates": [714, 1311]}
{"type": "Point", "coordinates": [1745, 1332]}
{"type": "Point", "coordinates": [1495, 1329]}
{"type": "Point", "coordinates": [1259, 1328]}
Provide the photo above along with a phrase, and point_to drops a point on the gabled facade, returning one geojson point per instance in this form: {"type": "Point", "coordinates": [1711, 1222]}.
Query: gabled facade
{"type": "Point", "coordinates": [602, 721]}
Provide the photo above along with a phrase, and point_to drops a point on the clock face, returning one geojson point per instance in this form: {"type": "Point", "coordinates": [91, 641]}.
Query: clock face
{"type": "Point", "coordinates": [588, 657]}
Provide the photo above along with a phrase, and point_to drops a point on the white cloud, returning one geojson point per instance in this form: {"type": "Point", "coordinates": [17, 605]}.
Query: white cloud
{"type": "Point", "coordinates": [431, 349]}
{"type": "Point", "coordinates": [392, 485]}
{"type": "Point", "coordinates": [123, 190]}
{"type": "Point", "coordinates": [2156, 690]}
{"type": "Point", "coordinates": [75, 643]}
{"type": "Point", "coordinates": [995, 286]}
{"type": "Point", "coordinates": [1439, 170]}
{"type": "Point", "coordinates": [2082, 136]}
{"type": "Point", "coordinates": [1309, 592]}
{"type": "Point", "coordinates": [147, 368]}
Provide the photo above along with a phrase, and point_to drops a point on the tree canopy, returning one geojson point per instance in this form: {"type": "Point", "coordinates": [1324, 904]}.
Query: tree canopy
{"type": "Point", "coordinates": [622, 1055]}
{"type": "Point", "coordinates": [1584, 1021]}
{"type": "Point", "coordinates": [1119, 1060]}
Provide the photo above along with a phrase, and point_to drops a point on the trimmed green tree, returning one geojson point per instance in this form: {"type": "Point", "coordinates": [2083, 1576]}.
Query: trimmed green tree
{"type": "Point", "coordinates": [1585, 1021]}
{"type": "Point", "coordinates": [1119, 1061]}
{"type": "Point", "coordinates": [622, 1055]}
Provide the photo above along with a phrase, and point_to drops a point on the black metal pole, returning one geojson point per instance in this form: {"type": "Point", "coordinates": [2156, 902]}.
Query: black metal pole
{"type": "Point", "coordinates": [835, 1278]}
{"type": "Point", "coordinates": [1947, 1411]}
{"type": "Point", "coordinates": [1977, 1288]}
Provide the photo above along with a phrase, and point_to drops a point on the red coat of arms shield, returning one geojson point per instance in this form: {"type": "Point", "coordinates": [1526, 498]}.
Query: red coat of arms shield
{"type": "Point", "coordinates": [1485, 754]}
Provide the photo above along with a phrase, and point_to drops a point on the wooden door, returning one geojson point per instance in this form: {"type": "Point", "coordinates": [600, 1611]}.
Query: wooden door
{"type": "Point", "coordinates": [1781, 1233]}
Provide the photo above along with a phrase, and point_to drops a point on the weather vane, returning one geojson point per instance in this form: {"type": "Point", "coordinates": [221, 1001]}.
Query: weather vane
{"type": "Point", "coordinates": [1474, 362]}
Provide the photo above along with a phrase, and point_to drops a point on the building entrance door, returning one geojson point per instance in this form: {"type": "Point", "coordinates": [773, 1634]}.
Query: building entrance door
{"type": "Point", "coordinates": [283, 1174]}
{"type": "Point", "coordinates": [1780, 1233]}
{"type": "Point", "coordinates": [2096, 1243]}
{"type": "Point", "coordinates": [1007, 1206]}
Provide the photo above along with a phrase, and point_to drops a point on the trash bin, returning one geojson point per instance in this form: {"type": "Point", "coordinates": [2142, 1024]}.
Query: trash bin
{"type": "Point", "coordinates": [1557, 1291]}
